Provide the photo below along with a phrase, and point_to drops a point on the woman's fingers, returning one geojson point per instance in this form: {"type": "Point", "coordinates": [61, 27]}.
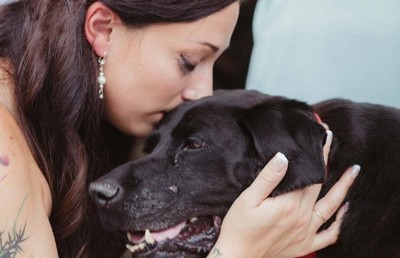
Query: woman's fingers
{"type": "Point", "coordinates": [327, 145]}
{"type": "Point", "coordinates": [331, 202]}
{"type": "Point", "coordinates": [282, 226]}
{"type": "Point", "coordinates": [266, 181]}
{"type": "Point", "coordinates": [310, 196]}
{"type": "Point", "coordinates": [330, 235]}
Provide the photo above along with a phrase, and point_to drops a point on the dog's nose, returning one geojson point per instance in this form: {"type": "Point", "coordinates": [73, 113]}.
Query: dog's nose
{"type": "Point", "coordinates": [104, 193]}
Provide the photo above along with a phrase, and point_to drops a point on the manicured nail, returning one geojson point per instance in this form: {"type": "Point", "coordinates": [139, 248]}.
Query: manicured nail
{"type": "Point", "coordinates": [279, 162]}
{"type": "Point", "coordinates": [325, 126]}
{"type": "Point", "coordinates": [329, 135]}
{"type": "Point", "coordinates": [355, 170]}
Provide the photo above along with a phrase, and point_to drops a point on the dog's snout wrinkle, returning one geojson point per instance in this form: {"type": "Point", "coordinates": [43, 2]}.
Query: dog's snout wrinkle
{"type": "Point", "coordinates": [104, 193]}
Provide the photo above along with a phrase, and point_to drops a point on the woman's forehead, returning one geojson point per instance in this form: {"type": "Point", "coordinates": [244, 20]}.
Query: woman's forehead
{"type": "Point", "coordinates": [213, 31]}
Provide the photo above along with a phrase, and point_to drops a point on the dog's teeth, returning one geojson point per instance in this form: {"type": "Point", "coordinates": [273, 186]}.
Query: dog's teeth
{"type": "Point", "coordinates": [147, 236]}
{"type": "Point", "coordinates": [141, 246]}
{"type": "Point", "coordinates": [132, 248]}
{"type": "Point", "coordinates": [128, 235]}
{"type": "Point", "coordinates": [193, 220]}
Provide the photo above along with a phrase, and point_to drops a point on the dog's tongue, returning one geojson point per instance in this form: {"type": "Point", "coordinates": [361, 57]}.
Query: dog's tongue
{"type": "Point", "coordinates": [170, 233]}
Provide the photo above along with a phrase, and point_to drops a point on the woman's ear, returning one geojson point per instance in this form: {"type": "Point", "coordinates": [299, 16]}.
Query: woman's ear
{"type": "Point", "coordinates": [99, 23]}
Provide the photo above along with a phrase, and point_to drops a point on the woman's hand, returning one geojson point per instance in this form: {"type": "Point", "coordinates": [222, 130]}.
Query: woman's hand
{"type": "Point", "coordinates": [282, 226]}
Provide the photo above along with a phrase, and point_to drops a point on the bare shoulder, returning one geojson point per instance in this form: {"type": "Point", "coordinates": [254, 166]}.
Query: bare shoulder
{"type": "Point", "coordinates": [25, 200]}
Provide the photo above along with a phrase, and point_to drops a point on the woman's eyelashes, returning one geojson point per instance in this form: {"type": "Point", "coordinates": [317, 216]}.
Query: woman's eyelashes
{"type": "Point", "coordinates": [186, 65]}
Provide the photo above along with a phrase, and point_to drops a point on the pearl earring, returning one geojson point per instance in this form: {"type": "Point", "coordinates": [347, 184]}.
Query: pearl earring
{"type": "Point", "coordinates": [101, 79]}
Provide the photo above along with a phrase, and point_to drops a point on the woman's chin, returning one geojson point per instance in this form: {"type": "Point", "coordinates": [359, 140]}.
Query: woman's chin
{"type": "Point", "coordinates": [140, 128]}
{"type": "Point", "coordinates": [145, 128]}
{"type": "Point", "coordinates": [142, 131]}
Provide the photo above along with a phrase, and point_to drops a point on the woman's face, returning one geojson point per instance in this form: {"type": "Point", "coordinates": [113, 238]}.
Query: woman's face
{"type": "Point", "coordinates": [152, 70]}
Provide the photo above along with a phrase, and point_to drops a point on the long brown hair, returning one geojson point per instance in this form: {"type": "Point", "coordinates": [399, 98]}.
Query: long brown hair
{"type": "Point", "coordinates": [54, 72]}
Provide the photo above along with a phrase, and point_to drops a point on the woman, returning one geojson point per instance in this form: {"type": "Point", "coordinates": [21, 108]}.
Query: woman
{"type": "Point", "coordinates": [78, 78]}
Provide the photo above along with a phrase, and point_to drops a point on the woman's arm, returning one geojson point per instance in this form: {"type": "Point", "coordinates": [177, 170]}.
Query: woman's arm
{"type": "Point", "coordinates": [25, 200]}
{"type": "Point", "coordinates": [282, 226]}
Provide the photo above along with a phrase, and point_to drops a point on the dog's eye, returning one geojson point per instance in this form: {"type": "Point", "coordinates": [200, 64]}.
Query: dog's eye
{"type": "Point", "coordinates": [193, 143]}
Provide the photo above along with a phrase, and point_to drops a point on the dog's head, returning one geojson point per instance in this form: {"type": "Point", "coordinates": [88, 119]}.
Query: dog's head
{"type": "Point", "coordinates": [200, 158]}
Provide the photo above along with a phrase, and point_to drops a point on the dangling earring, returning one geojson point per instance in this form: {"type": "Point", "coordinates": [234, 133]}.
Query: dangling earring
{"type": "Point", "coordinates": [101, 79]}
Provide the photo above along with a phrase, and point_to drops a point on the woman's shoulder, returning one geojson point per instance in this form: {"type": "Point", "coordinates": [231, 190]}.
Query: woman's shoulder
{"type": "Point", "coordinates": [16, 159]}
{"type": "Point", "coordinates": [25, 199]}
{"type": "Point", "coordinates": [12, 139]}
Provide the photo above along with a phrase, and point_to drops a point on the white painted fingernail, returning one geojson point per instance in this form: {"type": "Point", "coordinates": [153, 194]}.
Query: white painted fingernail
{"type": "Point", "coordinates": [355, 170]}
{"type": "Point", "coordinates": [325, 126]}
{"type": "Point", "coordinates": [279, 161]}
{"type": "Point", "coordinates": [329, 135]}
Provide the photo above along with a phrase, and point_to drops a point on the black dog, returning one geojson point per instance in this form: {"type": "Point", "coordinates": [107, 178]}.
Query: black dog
{"type": "Point", "coordinates": [206, 152]}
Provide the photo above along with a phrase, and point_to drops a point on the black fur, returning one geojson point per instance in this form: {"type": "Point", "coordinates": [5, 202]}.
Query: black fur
{"type": "Point", "coordinates": [212, 149]}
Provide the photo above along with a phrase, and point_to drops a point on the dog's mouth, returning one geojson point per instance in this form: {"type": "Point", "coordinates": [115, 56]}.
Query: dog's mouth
{"type": "Point", "coordinates": [195, 236]}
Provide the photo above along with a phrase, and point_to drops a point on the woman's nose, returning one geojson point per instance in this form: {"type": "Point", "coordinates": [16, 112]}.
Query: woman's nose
{"type": "Point", "coordinates": [200, 87]}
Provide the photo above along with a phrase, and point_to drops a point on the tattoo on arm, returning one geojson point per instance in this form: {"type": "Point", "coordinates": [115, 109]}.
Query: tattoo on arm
{"type": "Point", "coordinates": [216, 253]}
{"type": "Point", "coordinates": [10, 243]}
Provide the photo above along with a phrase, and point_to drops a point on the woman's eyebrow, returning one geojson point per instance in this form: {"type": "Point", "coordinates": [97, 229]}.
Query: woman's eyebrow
{"type": "Point", "coordinates": [213, 47]}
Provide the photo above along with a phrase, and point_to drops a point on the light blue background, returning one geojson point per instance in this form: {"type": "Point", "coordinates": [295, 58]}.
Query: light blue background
{"type": "Point", "coordinates": [317, 49]}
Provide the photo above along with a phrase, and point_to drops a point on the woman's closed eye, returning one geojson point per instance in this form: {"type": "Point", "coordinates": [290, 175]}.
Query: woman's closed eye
{"type": "Point", "coordinates": [186, 65]}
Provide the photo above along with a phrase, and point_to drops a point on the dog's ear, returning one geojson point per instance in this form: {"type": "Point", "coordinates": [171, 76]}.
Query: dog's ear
{"type": "Point", "coordinates": [281, 125]}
